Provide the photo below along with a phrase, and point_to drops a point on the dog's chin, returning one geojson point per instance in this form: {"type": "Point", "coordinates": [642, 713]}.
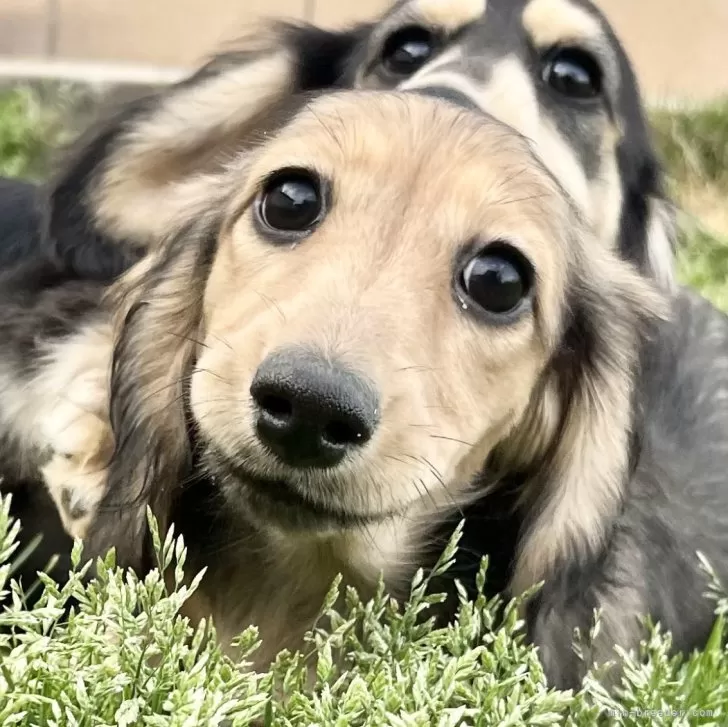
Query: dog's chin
{"type": "Point", "coordinates": [283, 505]}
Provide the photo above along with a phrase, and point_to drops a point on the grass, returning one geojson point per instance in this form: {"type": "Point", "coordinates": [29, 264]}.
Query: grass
{"type": "Point", "coordinates": [125, 657]}
{"type": "Point", "coordinates": [37, 121]}
{"type": "Point", "coordinates": [27, 134]}
{"type": "Point", "coordinates": [694, 146]}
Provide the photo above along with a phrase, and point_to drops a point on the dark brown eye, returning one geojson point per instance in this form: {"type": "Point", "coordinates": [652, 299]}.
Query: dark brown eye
{"type": "Point", "coordinates": [573, 73]}
{"type": "Point", "coordinates": [497, 280]}
{"type": "Point", "coordinates": [407, 50]}
{"type": "Point", "coordinates": [291, 201]}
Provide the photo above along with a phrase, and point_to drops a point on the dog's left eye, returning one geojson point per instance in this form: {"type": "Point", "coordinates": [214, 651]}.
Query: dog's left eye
{"type": "Point", "coordinates": [407, 50]}
{"type": "Point", "coordinates": [497, 280]}
{"type": "Point", "coordinates": [291, 201]}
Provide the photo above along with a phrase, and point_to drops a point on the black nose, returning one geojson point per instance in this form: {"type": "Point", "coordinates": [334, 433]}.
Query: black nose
{"type": "Point", "coordinates": [310, 411]}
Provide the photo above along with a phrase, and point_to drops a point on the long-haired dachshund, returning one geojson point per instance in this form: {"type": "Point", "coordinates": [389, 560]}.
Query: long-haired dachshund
{"type": "Point", "coordinates": [383, 309]}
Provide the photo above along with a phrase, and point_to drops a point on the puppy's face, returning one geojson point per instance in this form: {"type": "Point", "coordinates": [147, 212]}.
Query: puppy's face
{"type": "Point", "coordinates": [386, 292]}
{"type": "Point", "coordinates": [553, 70]}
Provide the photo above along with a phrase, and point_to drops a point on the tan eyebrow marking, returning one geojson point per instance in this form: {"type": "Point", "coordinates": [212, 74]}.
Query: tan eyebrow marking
{"type": "Point", "coordinates": [450, 15]}
{"type": "Point", "coordinates": [549, 22]}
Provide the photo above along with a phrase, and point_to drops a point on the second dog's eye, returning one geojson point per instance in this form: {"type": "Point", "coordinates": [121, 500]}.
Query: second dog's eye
{"type": "Point", "coordinates": [497, 280]}
{"type": "Point", "coordinates": [407, 50]}
{"type": "Point", "coordinates": [574, 73]}
{"type": "Point", "coordinates": [291, 201]}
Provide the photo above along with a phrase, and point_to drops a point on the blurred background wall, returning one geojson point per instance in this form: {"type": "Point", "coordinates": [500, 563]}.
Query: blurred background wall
{"type": "Point", "coordinates": [680, 47]}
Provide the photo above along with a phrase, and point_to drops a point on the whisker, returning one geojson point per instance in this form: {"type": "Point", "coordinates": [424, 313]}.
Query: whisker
{"type": "Point", "coordinates": [419, 369]}
{"type": "Point", "coordinates": [434, 470]}
{"type": "Point", "coordinates": [272, 303]}
{"type": "Point", "coordinates": [185, 378]}
{"type": "Point", "coordinates": [429, 494]}
{"type": "Point", "coordinates": [179, 380]}
{"type": "Point", "coordinates": [334, 137]}
{"type": "Point", "coordinates": [212, 373]}
{"type": "Point", "coordinates": [512, 178]}
{"type": "Point", "coordinates": [516, 200]}
{"type": "Point", "coordinates": [438, 476]}
{"type": "Point", "coordinates": [222, 340]}
{"type": "Point", "coordinates": [451, 439]}
{"type": "Point", "coordinates": [189, 338]}
{"type": "Point", "coordinates": [396, 459]}
{"type": "Point", "coordinates": [220, 399]}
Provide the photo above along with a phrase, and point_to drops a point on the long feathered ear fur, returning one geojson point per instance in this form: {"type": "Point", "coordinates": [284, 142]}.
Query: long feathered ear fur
{"type": "Point", "coordinates": [159, 305]}
{"type": "Point", "coordinates": [575, 445]}
{"type": "Point", "coordinates": [112, 198]}
{"type": "Point", "coordinates": [648, 228]}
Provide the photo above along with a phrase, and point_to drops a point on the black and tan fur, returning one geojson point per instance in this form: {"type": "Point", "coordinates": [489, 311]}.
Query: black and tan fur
{"type": "Point", "coordinates": [492, 54]}
{"type": "Point", "coordinates": [149, 187]}
{"type": "Point", "coordinates": [548, 394]}
{"type": "Point", "coordinates": [104, 207]}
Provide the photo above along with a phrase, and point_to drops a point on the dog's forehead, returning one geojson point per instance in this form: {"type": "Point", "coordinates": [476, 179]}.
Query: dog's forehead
{"type": "Point", "coordinates": [409, 129]}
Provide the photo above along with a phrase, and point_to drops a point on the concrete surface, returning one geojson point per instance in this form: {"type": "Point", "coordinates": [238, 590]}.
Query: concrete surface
{"type": "Point", "coordinates": [680, 48]}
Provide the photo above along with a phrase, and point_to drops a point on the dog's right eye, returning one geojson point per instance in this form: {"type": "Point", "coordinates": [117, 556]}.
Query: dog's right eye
{"type": "Point", "coordinates": [291, 201]}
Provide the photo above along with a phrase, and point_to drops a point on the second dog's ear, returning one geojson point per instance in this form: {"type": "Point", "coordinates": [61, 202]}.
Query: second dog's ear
{"type": "Point", "coordinates": [126, 181]}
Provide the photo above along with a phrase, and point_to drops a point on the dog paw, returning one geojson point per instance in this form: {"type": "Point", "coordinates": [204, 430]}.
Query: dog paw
{"type": "Point", "coordinates": [79, 435]}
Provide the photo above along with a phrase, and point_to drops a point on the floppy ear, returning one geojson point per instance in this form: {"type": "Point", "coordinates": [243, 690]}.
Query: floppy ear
{"type": "Point", "coordinates": [648, 229]}
{"type": "Point", "coordinates": [125, 184]}
{"type": "Point", "coordinates": [582, 418]}
{"type": "Point", "coordinates": [158, 304]}
{"type": "Point", "coordinates": [662, 234]}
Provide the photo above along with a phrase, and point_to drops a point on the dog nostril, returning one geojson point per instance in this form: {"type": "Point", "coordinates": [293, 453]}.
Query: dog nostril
{"type": "Point", "coordinates": [277, 406]}
{"type": "Point", "coordinates": [340, 433]}
{"type": "Point", "coordinates": [310, 411]}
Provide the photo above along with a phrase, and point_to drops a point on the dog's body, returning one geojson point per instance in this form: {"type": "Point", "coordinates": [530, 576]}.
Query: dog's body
{"type": "Point", "coordinates": [48, 371]}
{"type": "Point", "coordinates": [587, 527]}
{"type": "Point", "coordinates": [551, 68]}
{"type": "Point", "coordinates": [20, 221]}
{"type": "Point", "coordinates": [674, 504]}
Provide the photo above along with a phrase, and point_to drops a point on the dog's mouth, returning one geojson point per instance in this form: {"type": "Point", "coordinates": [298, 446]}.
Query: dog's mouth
{"type": "Point", "coordinates": [285, 504]}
